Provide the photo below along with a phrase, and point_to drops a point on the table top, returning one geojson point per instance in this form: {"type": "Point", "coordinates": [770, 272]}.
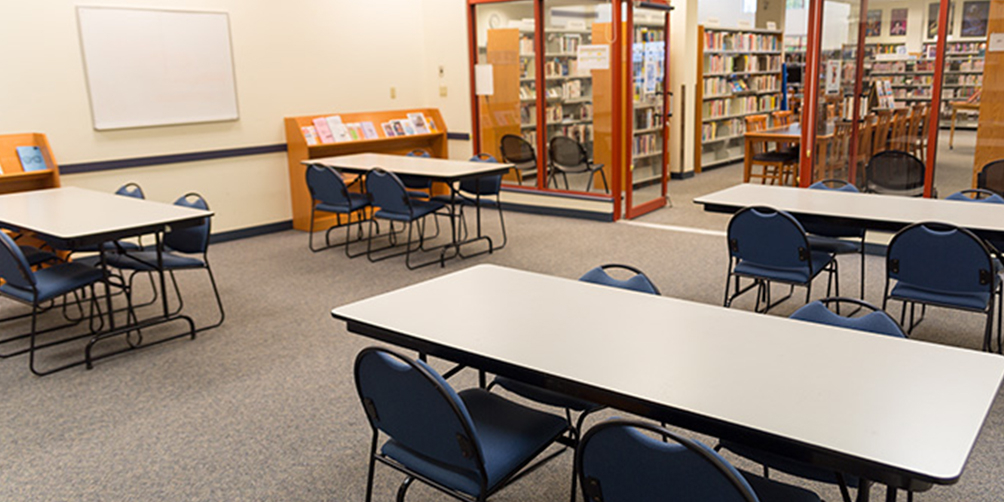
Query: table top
{"type": "Point", "coordinates": [72, 214]}
{"type": "Point", "coordinates": [876, 211]}
{"type": "Point", "coordinates": [414, 166]}
{"type": "Point", "coordinates": [964, 105]}
{"type": "Point", "coordinates": [790, 132]}
{"type": "Point", "coordinates": [869, 402]}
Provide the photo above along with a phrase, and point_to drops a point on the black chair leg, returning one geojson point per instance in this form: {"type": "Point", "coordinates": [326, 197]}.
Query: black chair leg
{"type": "Point", "coordinates": [369, 474]}
{"type": "Point", "coordinates": [403, 489]}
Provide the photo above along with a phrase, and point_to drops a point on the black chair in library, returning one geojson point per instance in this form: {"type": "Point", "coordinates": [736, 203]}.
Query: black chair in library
{"type": "Point", "coordinates": [569, 157]}
{"type": "Point", "coordinates": [991, 177]}
{"type": "Point", "coordinates": [893, 172]}
{"type": "Point", "coordinates": [519, 152]}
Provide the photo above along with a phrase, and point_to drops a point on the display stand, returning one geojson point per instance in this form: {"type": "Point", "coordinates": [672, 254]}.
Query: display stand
{"type": "Point", "coordinates": [298, 150]}
{"type": "Point", "coordinates": [14, 179]}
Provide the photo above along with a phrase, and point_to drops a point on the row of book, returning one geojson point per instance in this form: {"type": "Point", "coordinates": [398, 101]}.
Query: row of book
{"type": "Point", "coordinates": [647, 118]}
{"type": "Point", "coordinates": [560, 68]}
{"type": "Point", "coordinates": [727, 41]}
{"type": "Point", "coordinates": [583, 133]}
{"type": "Point", "coordinates": [967, 65]}
{"type": "Point", "coordinates": [568, 90]}
{"type": "Point", "coordinates": [563, 43]}
{"type": "Point", "coordinates": [31, 159]}
{"type": "Point", "coordinates": [740, 105]}
{"type": "Point", "coordinates": [724, 129]}
{"type": "Point", "coordinates": [554, 114]}
{"type": "Point", "coordinates": [919, 65]}
{"type": "Point", "coordinates": [723, 86]}
{"type": "Point", "coordinates": [965, 80]}
{"type": "Point", "coordinates": [906, 79]}
{"type": "Point", "coordinates": [647, 144]}
{"type": "Point", "coordinates": [744, 63]}
{"type": "Point", "coordinates": [872, 49]}
{"type": "Point", "coordinates": [919, 93]}
{"type": "Point", "coordinates": [965, 47]}
{"type": "Point", "coordinates": [526, 45]}
{"type": "Point", "coordinates": [649, 35]}
{"type": "Point", "coordinates": [957, 94]}
{"type": "Point", "coordinates": [332, 130]}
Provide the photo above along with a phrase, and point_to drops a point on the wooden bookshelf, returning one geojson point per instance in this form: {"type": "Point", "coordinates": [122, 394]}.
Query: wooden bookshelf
{"type": "Point", "coordinates": [14, 179]}
{"type": "Point", "coordinates": [297, 150]}
{"type": "Point", "coordinates": [750, 58]}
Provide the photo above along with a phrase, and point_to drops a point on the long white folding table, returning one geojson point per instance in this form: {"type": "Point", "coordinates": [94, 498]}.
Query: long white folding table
{"type": "Point", "coordinates": [860, 210]}
{"type": "Point", "coordinates": [899, 412]}
{"type": "Point", "coordinates": [440, 170]}
{"type": "Point", "coordinates": [71, 217]}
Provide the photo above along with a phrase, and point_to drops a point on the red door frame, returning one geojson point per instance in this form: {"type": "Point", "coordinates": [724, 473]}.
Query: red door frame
{"type": "Point", "coordinates": [934, 117]}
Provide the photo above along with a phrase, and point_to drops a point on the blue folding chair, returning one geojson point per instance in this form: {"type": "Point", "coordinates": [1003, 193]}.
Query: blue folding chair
{"type": "Point", "coordinates": [33, 288]}
{"type": "Point", "coordinates": [389, 194]}
{"type": "Point", "coordinates": [331, 195]}
{"type": "Point", "coordinates": [184, 249]}
{"type": "Point", "coordinates": [768, 245]}
{"type": "Point", "coordinates": [475, 192]}
{"type": "Point", "coordinates": [468, 445]}
{"type": "Point", "coordinates": [418, 186]}
{"type": "Point", "coordinates": [638, 281]}
{"type": "Point", "coordinates": [874, 321]}
{"type": "Point", "coordinates": [942, 265]}
{"type": "Point", "coordinates": [623, 461]}
{"type": "Point", "coordinates": [831, 238]}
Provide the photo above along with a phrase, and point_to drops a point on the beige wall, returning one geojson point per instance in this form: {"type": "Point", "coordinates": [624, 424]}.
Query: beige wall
{"type": "Point", "coordinates": [291, 58]}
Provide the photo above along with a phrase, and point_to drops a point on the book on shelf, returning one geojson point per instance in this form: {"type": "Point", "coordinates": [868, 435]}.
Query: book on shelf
{"type": "Point", "coordinates": [388, 129]}
{"type": "Point", "coordinates": [432, 124]}
{"type": "Point", "coordinates": [418, 122]}
{"type": "Point", "coordinates": [369, 131]}
{"type": "Point", "coordinates": [323, 131]}
{"type": "Point", "coordinates": [338, 129]}
{"type": "Point", "coordinates": [310, 135]}
{"type": "Point", "coordinates": [398, 128]}
{"type": "Point", "coordinates": [354, 130]}
{"type": "Point", "coordinates": [31, 158]}
{"type": "Point", "coordinates": [405, 129]}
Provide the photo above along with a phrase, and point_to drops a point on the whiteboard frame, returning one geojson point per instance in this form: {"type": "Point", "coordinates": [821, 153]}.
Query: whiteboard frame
{"type": "Point", "coordinates": [99, 126]}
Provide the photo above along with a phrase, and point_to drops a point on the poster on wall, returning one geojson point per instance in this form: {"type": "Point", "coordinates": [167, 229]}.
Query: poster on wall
{"type": "Point", "coordinates": [897, 22]}
{"type": "Point", "coordinates": [832, 77]}
{"type": "Point", "coordinates": [873, 23]}
{"type": "Point", "coordinates": [974, 18]}
{"type": "Point", "coordinates": [933, 13]}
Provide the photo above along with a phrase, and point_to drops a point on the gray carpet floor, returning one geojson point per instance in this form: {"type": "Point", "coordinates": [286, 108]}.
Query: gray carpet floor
{"type": "Point", "coordinates": [264, 408]}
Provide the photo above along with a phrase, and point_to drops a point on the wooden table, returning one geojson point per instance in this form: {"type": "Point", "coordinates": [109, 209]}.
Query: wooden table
{"type": "Point", "coordinates": [896, 411]}
{"type": "Point", "coordinates": [956, 106]}
{"type": "Point", "coordinates": [791, 134]}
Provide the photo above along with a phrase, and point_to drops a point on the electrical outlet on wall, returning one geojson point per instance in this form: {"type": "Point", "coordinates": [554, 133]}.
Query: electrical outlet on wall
{"type": "Point", "coordinates": [393, 93]}
{"type": "Point", "coordinates": [442, 91]}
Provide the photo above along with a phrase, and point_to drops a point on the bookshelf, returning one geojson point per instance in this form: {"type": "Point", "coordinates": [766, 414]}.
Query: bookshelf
{"type": "Point", "coordinates": [740, 72]}
{"type": "Point", "coordinates": [963, 76]}
{"type": "Point", "coordinates": [647, 82]}
{"type": "Point", "coordinates": [298, 150]}
{"type": "Point", "coordinates": [14, 179]}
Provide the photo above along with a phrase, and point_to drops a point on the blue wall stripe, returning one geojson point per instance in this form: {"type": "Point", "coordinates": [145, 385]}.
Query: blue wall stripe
{"type": "Point", "coordinates": [177, 158]}
{"type": "Point", "coordinates": [244, 233]}
{"type": "Point", "coordinates": [462, 136]}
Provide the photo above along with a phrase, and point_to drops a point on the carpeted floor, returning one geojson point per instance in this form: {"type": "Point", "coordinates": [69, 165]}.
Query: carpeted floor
{"type": "Point", "coordinates": [264, 408]}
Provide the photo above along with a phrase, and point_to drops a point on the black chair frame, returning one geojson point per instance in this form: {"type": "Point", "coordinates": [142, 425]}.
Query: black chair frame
{"type": "Point", "coordinates": [589, 167]}
{"type": "Point", "coordinates": [361, 217]}
{"type": "Point", "coordinates": [408, 248]}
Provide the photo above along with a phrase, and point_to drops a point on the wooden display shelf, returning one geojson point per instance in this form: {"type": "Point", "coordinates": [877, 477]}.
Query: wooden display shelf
{"type": "Point", "coordinates": [297, 151]}
{"type": "Point", "coordinates": [14, 179]}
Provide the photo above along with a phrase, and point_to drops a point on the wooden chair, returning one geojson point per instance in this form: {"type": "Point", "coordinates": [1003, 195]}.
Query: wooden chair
{"type": "Point", "coordinates": [880, 142]}
{"type": "Point", "coordinates": [838, 159]}
{"type": "Point", "coordinates": [866, 135]}
{"type": "Point", "coordinates": [783, 117]}
{"type": "Point", "coordinates": [918, 136]}
{"type": "Point", "coordinates": [898, 139]}
{"type": "Point", "coordinates": [777, 165]}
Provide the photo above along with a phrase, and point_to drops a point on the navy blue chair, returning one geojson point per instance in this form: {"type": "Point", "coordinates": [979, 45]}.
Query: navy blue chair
{"type": "Point", "coordinates": [767, 245]}
{"type": "Point", "coordinates": [469, 444]}
{"type": "Point", "coordinates": [638, 281]}
{"type": "Point", "coordinates": [874, 321]}
{"type": "Point", "coordinates": [418, 186]}
{"type": "Point", "coordinates": [485, 191]}
{"type": "Point", "coordinates": [33, 288]}
{"type": "Point", "coordinates": [331, 195]}
{"type": "Point", "coordinates": [184, 249]}
{"type": "Point", "coordinates": [942, 265]}
{"type": "Point", "coordinates": [570, 157]}
{"type": "Point", "coordinates": [834, 238]}
{"type": "Point", "coordinates": [628, 461]}
{"type": "Point", "coordinates": [389, 194]}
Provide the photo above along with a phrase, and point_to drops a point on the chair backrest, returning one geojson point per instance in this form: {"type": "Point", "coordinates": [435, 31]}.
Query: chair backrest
{"type": "Point", "coordinates": [941, 257]}
{"type": "Point", "coordinates": [411, 403]}
{"type": "Point", "coordinates": [834, 184]}
{"type": "Point", "coordinates": [517, 150]}
{"type": "Point", "coordinates": [769, 237]}
{"type": "Point", "coordinates": [485, 185]}
{"type": "Point", "coordinates": [783, 117]}
{"type": "Point", "coordinates": [880, 142]}
{"type": "Point", "coordinates": [832, 230]}
{"type": "Point", "coordinates": [14, 268]}
{"type": "Point", "coordinates": [131, 190]}
{"type": "Point", "coordinates": [976, 195]}
{"type": "Point", "coordinates": [991, 177]}
{"type": "Point", "coordinates": [388, 192]}
{"type": "Point", "coordinates": [327, 186]}
{"type": "Point", "coordinates": [895, 172]}
{"type": "Point", "coordinates": [617, 462]}
{"type": "Point", "coordinates": [418, 152]}
{"type": "Point", "coordinates": [193, 239]}
{"type": "Point", "coordinates": [900, 121]}
{"type": "Point", "coordinates": [874, 321]}
{"type": "Point", "coordinates": [566, 152]}
{"type": "Point", "coordinates": [756, 123]}
{"type": "Point", "coordinates": [637, 282]}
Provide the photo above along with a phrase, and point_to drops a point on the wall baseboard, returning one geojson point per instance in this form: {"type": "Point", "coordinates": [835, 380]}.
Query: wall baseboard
{"type": "Point", "coordinates": [244, 233]}
{"type": "Point", "coordinates": [682, 176]}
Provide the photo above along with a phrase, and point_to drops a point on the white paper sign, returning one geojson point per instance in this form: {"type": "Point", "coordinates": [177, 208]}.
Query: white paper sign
{"type": "Point", "coordinates": [484, 80]}
{"type": "Point", "coordinates": [594, 57]}
{"type": "Point", "coordinates": [832, 77]}
{"type": "Point", "coordinates": [995, 43]}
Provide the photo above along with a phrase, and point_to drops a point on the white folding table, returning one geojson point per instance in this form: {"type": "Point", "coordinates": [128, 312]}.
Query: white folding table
{"type": "Point", "coordinates": [441, 170]}
{"type": "Point", "coordinates": [73, 217]}
{"type": "Point", "coordinates": [899, 412]}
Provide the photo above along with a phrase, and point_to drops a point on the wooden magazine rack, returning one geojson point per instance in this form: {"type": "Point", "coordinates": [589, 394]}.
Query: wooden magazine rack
{"type": "Point", "coordinates": [14, 179]}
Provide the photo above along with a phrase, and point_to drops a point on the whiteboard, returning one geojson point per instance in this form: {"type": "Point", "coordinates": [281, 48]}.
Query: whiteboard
{"type": "Point", "coordinates": [157, 67]}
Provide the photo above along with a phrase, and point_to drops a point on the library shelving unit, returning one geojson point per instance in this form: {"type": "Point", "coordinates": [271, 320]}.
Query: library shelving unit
{"type": "Point", "coordinates": [647, 102]}
{"type": "Point", "coordinates": [14, 179]}
{"type": "Point", "coordinates": [740, 72]}
{"type": "Point", "coordinates": [963, 76]}
{"type": "Point", "coordinates": [298, 150]}
{"type": "Point", "coordinates": [794, 65]}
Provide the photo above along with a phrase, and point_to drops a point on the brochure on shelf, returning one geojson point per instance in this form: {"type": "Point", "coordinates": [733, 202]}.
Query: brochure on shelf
{"type": "Point", "coordinates": [418, 122]}
{"type": "Point", "coordinates": [31, 158]}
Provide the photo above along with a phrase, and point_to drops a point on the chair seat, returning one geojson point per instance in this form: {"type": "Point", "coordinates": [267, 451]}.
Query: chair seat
{"type": "Point", "coordinates": [56, 281]}
{"type": "Point", "coordinates": [509, 435]}
{"type": "Point", "coordinates": [421, 208]}
{"type": "Point", "coordinates": [545, 396]}
{"type": "Point", "coordinates": [820, 260]}
{"type": "Point", "coordinates": [357, 201]}
{"type": "Point", "coordinates": [787, 465]}
{"type": "Point", "coordinates": [36, 256]}
{"type": "Point", "coordinates": [146, 261]}
{"type": "Point", "coordinates": [971, 301]}
{"type": "Point", "coordinates": [768, 490]}
{"type": "Point", "coordinates": [775, 156]}
{"type": "Point", "coordinates": [418, 194]}
{"type": "Point", "coordinates": [833, 245]}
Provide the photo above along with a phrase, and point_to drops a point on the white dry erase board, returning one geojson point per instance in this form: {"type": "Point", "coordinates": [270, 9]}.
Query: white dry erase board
{"type": "Point", "coordinates": [157, 67]}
